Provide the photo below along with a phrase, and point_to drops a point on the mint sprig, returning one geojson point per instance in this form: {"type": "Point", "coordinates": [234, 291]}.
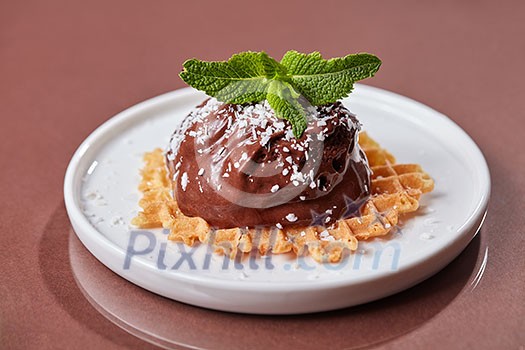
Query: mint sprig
{"type": "Point", "coordinates": [284, 100]}
{"type": "Point", "coordinates": [323, 81]}
{"type": "Point", "coordinates": [255, 76]}
{"type": "Point", "coordinates": [245, 77]}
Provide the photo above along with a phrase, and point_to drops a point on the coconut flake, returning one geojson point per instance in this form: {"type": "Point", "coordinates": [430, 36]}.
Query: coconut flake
{"type": "Point", "coordinates": [184, 181]}
{"type": "Point", "coordinates": [291, 217]}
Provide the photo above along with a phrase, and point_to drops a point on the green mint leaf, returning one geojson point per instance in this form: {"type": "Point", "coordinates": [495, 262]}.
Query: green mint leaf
{"type": "Point", "coordinates": [243, 78]}
{"type": "Point", "coordinates": [284, 100]}
{"type": "Point", "coordinates": [255, 76]}
{"type": "Point", "coordinates": [323, 81]}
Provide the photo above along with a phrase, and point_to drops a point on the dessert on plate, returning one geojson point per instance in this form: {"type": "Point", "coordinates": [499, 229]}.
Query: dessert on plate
{"type": "Point", "coordinates": [274, 162]}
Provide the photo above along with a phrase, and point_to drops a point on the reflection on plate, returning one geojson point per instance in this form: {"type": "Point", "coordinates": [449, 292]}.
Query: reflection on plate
{"type": "Point", "coordinates": [171, 325]}
{"type": "Point", "coordinates": [101, 198]}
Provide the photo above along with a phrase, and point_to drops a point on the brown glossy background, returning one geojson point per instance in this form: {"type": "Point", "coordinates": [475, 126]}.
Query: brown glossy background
{"type": "Point", "coordinates": [67, 66]}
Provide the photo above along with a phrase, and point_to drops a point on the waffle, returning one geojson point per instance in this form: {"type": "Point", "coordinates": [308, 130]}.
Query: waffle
{"type": "Point", "coordinates": [395, 190]}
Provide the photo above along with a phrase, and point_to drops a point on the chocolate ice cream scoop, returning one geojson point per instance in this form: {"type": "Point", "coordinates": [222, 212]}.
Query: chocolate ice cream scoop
{"type": "Point", "coordinates": [241, 166]}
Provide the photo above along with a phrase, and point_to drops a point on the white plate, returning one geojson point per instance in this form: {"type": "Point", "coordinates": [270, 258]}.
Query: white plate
{"type": "Point", "coordinates": [101, 198]}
